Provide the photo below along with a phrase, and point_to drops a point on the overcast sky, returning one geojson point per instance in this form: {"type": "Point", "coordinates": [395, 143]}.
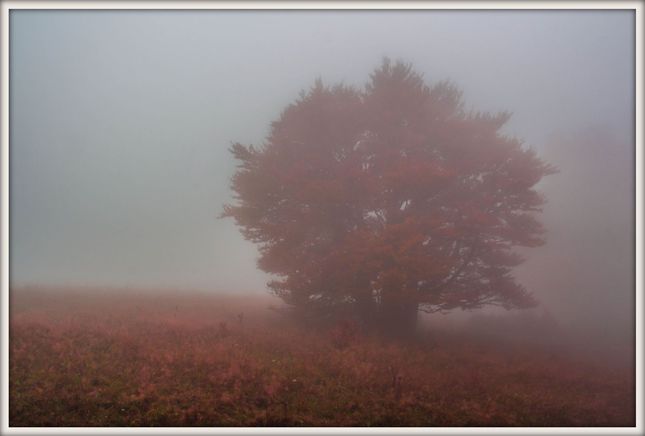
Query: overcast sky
{"type": "Point", "coordinates": [121, 121]}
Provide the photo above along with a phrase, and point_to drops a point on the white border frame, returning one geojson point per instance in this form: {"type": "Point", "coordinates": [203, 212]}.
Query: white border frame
{"type": "Point", "coordinates": [7, 6]}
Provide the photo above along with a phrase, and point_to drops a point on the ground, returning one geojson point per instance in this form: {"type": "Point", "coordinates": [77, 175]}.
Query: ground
{"type": "Point", "coordinates": [126, 358]}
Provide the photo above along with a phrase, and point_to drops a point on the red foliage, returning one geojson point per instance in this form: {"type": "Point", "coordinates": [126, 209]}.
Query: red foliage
{"type": "Point", "coordinates": [164, 367]}
{"type": "Point", "coordinates": [393, 197]}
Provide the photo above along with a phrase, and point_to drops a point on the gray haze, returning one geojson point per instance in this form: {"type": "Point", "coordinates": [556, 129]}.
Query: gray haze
{"type": "Point", "coordinates": [121, 121]}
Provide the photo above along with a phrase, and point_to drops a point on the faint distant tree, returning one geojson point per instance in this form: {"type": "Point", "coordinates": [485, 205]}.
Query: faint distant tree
{"type": "Point", "coordinates": [389, 200]}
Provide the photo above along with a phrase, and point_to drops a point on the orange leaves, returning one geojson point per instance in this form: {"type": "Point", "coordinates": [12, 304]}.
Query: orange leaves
{"type": "Point", "coordinates": [321, 192]}
{"type": "Point", "coordinates": [392, 183]}
{"type": "Point", "coordinates": [244, 154]}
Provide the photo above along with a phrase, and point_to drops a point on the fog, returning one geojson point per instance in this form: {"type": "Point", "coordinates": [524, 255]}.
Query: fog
{"type": "Point", "coordinates": [120, 124]}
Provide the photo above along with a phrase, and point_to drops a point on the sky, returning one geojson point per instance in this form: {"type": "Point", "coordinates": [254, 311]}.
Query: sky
{"type": "Point", "coordinates": [120, 123]}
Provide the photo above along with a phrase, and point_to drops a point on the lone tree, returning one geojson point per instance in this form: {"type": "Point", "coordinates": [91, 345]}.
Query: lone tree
{"type": "Point", "coordinates": [389, 201]}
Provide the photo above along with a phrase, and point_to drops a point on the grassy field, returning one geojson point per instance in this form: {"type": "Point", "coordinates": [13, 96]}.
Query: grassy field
{"type": "Point", "coordinates": [146, 359]}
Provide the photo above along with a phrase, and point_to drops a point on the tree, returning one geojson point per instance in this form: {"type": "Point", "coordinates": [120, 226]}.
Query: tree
{"type": "Point", "coordinates": [389, 200]}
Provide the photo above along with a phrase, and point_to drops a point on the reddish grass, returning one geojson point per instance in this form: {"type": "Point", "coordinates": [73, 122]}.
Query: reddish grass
{"type": "Point", "coordinates": [110, 359]}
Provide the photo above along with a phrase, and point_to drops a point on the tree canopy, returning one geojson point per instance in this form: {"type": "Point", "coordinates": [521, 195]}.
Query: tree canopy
{"type": "Point", "coordinates": [389, 200]}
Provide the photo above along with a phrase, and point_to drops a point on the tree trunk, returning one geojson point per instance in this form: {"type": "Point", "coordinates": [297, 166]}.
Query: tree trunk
{"type": "Point", "coordinates": [366, 311]}
{"type": "Point", "coordinates": [399, 317]}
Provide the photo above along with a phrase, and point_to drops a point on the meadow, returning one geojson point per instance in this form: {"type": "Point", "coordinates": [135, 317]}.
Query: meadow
{"type": "Point", "coordinates": [135, 358]}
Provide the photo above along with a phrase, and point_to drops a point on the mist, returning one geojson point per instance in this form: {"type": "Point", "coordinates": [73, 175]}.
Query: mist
{"type": "Point", "coordinates": [121, 124]}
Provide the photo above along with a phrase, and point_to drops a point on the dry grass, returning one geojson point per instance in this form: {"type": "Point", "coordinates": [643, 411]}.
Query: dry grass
{"type": "Point", "coordinates": [110, 359]}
